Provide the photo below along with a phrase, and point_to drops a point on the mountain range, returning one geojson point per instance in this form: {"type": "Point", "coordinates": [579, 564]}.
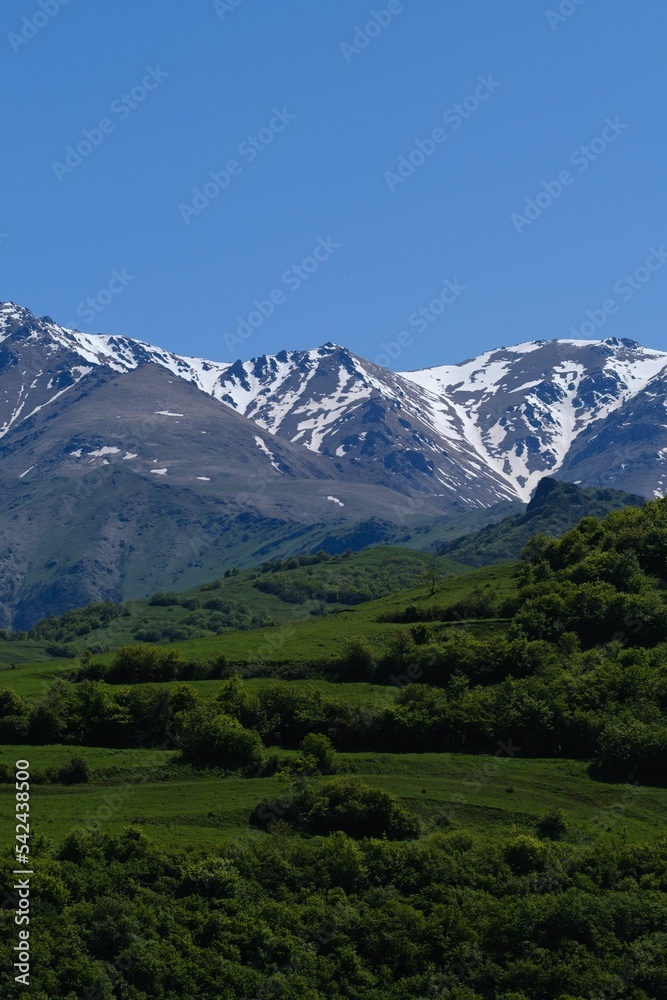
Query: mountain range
{"type": "Point", "coordinates": [125, 468]}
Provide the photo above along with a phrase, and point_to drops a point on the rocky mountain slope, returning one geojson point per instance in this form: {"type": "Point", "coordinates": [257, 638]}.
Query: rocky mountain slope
{"type": "Point", "coordinates": [104, 439]}
{"type": "Point", "coordinates": [554, 508]}
{"type": "Point", "coordinates": [558, 406]}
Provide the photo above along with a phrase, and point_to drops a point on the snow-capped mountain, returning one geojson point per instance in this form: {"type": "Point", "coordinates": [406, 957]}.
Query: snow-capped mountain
{"type": "Point", "coordinates": [472, 433]}
{"type": "Point", "coordinates": [366, 422]}
{"type": "Point", "coordinates": [530, 408]}
{"type": "Point", "coordinates": [125, 468]}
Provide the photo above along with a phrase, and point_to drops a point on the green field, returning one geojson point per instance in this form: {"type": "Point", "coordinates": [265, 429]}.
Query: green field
{"type": "Point", "coordinates": [311, 629]}
{"type": "Point", "coordinates": [471, 763]}
{"type": "Point", "coordinates": [482, 795]}
{"type": "Point", "coordinates": [178, 805]}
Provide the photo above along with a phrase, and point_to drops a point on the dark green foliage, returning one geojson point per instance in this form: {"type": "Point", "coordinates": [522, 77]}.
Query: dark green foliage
{"type": "Point", "coordinates": [210, 614]}
{"type": "Point", "coordinates": [74, 624]}
{"type": "Point", "coordinates": [598, 580]}
{"type": "Point", "coordinates": [295, 581]}
{"type": "Point", "coordinates": [163, 600]}
{"type": "Point", "coordinates": [525, 854]}
{"type": "Point", "coordinates": [567, 914]}
{"type": "Point", "coordinates": [76, 772]}
{"type": "Point", "coordinates": [629, 748]}
{"type": "Point", "coordinates": [359, 659]}
{"type": "Point", "coordinates": [114, 916]}
{"type": "Point", "coordinates": [132, 664]}
{"type": "Point", "coordinates": [347, 805]}
{"type": "Point", "coordinates": [219, 740]}
{"type": "Point", "coordinates": [61, 649]}
{"type": "Point", "coordinates": [554, 824]}
{"type": "Point", "coordinates": [142, 664]}
{"type": "Point", "coordinates": [319, 748]}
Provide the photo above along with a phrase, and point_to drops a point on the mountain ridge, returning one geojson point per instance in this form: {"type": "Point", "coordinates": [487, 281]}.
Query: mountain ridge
{"type": "Point", "coordinates": [299, 448]}
{"type": "Point", "coordinates": [477, 413]}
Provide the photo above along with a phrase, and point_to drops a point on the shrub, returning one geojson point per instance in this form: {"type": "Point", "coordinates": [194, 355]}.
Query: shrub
{"type": "Point", "coordinates": [349, 805]}
{"type": "Point", "coordinates": [359, 658]}
{"type": "Point", "coordinates": [133, 664]}
{"type": "Point", "coordinates": [525, 854]}
{"type": "Point", "coordinates": [76, 772]}
{"type": "Point", "coordinates": [320, 749]}
{"type": "Point", "coordinates": [554, 824]}
{"type": "Point", "coordinates": [632, 749]}
{"type": "Point", "coordinates": [61, 649]}
{"type": "Point", "coordinates": [162, 600]}
{"type": "Point", "coordinates": [14, 729]}
{"type": "Point", "coordinates": [221, 741]}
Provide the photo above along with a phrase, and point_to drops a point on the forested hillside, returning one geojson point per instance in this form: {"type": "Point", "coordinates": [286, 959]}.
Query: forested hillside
{"type": "Point", "coordinates": [453, 785]}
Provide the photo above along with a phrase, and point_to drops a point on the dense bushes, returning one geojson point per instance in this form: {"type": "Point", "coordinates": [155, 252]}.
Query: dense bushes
{"type": "Point", "coordinates": [598, 579]}
{"type": "Point", "coordinates": [76, 623]}
{"type": "Point", "coordinates": [629, 748]}
{"type": "Point", "coordinates": [554, 824]}
{"type": "Point", "coordinates": [208, 614]}
{"type": "Point", "coordinates": [296, 580]}
{"type": "Point", "coordinates": [117, 916]}
{"type": "Point", "coordinates": [611, 710]}
{"type": "Point", "coordinates": [219, 740]}
{"type": "Point", "coordinates": [61, 650]}
{"type": "Point", "coordinates": [565, 679]}
{"type": "Point", "coordinates": [344, 804]}
{"type": "Point", "coordinates": [151, 664]}
{"type": "Point", "coordinates": [349, 805]}
{"type": "Point", "coordinates": [93, 714]}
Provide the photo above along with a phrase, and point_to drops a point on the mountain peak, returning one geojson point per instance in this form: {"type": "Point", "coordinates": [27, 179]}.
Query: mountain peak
{"type": "Point", "coordinates": [485, 429]}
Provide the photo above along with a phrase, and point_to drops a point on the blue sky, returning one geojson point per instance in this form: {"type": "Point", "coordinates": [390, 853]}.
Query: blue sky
{"type": "Point", "coordinates": [310, 232]}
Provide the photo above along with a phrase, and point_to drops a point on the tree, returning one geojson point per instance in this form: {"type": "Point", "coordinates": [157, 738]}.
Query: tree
{"type": "Point", "coordinates": [432, 576]}
{"type": "Point", "coordinates": [525, 854]}
{"type": "Point", "coordinates": [359, 810]}
{"type": "Point", "coordinates": [554, 824]}
{"type": "Point", "coordinates": [320, 750]}
{"type": "Point", "coordinates": [221, 741]}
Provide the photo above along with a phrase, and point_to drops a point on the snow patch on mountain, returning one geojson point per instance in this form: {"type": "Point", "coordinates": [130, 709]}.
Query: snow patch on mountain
{"type": "Point", "coordinates": [484, 430]}
{"type": "Point", "coordinates": [524, 428]}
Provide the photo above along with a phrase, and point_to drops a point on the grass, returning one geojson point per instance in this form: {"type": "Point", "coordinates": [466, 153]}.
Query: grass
{"type": "Point", "coordinates": [180, 806]}
{"type": "Point", "coordinates": [298, 635]}
{"type": "Point", "coordinates": [32, 680]}
{"type": "Point", "coordinates": [302, 640]}
{"type": "Point", "coordinates": [483, 795]}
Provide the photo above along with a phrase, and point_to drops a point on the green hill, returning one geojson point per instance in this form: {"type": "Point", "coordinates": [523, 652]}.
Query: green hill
{"type": "Point", "coordinates": [406, 745]}
{"type": "Point", "coordinates": [554, 508]}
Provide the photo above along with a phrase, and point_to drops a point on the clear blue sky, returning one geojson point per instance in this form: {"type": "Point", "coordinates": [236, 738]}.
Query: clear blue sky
{"type": "Point", "coordinates": [325, 174]}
